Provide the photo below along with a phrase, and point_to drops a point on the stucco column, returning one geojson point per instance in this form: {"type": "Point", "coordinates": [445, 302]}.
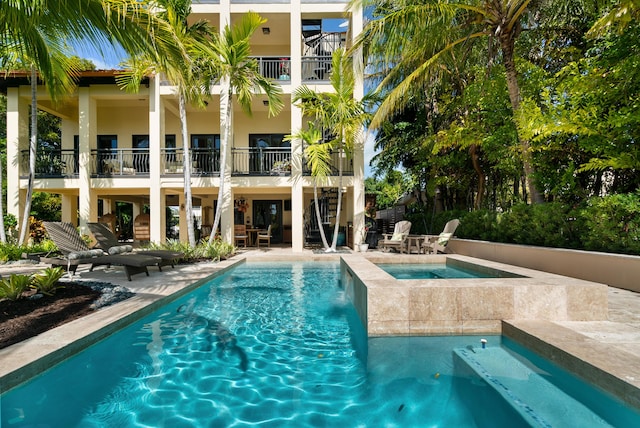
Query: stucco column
{"type": "Point", "coordinates": [17, 139]}
{"type": "Point", "coordinates": [87, 132]}
{"type": "Point", "coordinates": [70, 209]}
{"type": "Point", "coordinates": [358, 153]}
{"type": "Point", "coordinates": [156, 135]}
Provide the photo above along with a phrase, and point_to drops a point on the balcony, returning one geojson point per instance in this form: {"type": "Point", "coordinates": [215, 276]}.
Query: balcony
{"type": "Point", "coordinates": [347, 165]}
{"type": "Point", "coordinates": [265, 161]}
{"type": "Point", "coordinates": [247, 161]}
{"type": "Point", "coordinates": [204, 162]}
{"type": "Point", "coordinates": [51, 163]}
{"type": "Point", "coordinates": [120, 162]}
{"type": "Point", "coordinates": [274, 67]}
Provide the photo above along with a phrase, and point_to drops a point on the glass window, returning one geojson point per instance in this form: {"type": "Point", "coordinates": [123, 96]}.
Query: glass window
{"type": "Point", "coordinates": [267, 140]}
{"type": "Point", "coordinates": [107, 142]}
{"type": "Point", "coordinates": [205, 141]}
{"type": "Point", "coordinates": [140, 142]}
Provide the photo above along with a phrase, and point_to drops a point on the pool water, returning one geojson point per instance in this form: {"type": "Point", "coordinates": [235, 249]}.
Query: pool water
{"type": "Point", "coordinates": [441, 271]}
{"type": "Point", "coordinates": [266, 345]}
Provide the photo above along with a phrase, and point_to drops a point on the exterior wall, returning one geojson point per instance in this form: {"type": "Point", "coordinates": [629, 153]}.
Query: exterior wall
{"type": "Point", "coordinates": [99, 108]}
{"type": "Point", "coordinates": [616, 270]}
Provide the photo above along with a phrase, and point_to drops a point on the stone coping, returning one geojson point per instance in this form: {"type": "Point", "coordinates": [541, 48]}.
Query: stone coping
{"type": "Point", "coordinates": [611, 368]}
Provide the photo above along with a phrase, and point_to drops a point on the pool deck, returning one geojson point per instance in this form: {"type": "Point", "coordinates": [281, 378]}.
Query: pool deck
{"type": "Point", "coordinates": [605, 352]}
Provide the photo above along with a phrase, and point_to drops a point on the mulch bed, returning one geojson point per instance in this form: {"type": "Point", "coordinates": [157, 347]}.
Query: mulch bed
{"type": "Point", "coordinates": [28, 317]}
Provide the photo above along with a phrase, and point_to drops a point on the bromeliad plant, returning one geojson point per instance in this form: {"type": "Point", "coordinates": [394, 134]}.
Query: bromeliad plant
{"type": "Point", "coordinates": [47, 281]}
{"type": "Point", "coordinates": [13, 287]}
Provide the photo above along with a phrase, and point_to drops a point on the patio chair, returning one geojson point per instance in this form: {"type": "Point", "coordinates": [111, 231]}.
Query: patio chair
{"type": "Point", "coordinates": [240, 235]}
{"type": "Point", "coordinates": [108, 242]}
{"type": "Point", "coordinates": [437, 243]}
{"type": "Point", "coordinates": [397, 240]}
{"type": "Point", "coordinates": [75, 252]}
{"type": "Point", "coordinates": [264, 236]}
{"type": "Point", "coordinates": [142, 228]}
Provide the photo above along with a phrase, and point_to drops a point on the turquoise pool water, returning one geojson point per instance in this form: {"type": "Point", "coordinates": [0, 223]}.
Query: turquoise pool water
{"type": "Point", "coordinates": [270, 345]}
{"type": "Point", "coordinates": [441, 271]}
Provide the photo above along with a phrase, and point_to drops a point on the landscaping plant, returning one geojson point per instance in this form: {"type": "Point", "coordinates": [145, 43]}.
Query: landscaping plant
{"type": "Point", "coordinates": [47, 281]}
{"type": "Point", "coordinates": [13, 287]}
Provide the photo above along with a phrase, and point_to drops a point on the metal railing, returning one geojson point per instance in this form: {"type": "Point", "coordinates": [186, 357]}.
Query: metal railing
{"type": "Point", "coordinates": [347, 165]}
{"type": "Point", "coordinates": [316, 68]}
{"type": "Point", "coordinates": [118, 162]}
{"type": "Point", "coordinates": [203, 161]}
{"type": "Point", "coordinates": [262, 161]}
{"type": "Point", "coordinates": [51, 163]}
{"type": "Point", "coordinates": [273, 67]}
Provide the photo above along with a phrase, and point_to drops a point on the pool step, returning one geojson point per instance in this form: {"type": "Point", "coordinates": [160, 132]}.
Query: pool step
{"type": "Point", "coordinates": [538, 401]}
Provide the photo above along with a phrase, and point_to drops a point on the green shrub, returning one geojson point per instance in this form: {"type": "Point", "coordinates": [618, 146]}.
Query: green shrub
{"type": "Point", "coordinates": [611, 223]}
{"type": "Point", "coordinates": [47, 281]}
{"type": "Point", "coordinates": [607, 224]}
{"type": "Point", "coordinates": [13, 287]}
{"type": "Point", "coordinates": [216, 251]}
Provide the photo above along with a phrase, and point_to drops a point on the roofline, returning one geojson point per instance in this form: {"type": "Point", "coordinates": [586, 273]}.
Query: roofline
{"type": "Point", "coordinates": [14, 79]}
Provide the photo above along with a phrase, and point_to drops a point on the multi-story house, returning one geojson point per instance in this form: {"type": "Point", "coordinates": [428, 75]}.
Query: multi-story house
{"type": "Point", "coordinates": [118, 146]}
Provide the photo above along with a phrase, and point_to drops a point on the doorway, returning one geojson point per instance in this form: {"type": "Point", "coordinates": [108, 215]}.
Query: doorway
{"type": "Point", "coordinates": [267, 213]}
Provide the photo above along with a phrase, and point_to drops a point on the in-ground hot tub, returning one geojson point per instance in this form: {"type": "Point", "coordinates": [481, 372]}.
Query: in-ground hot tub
{"type": "Point", "coordinates": [391, 306]}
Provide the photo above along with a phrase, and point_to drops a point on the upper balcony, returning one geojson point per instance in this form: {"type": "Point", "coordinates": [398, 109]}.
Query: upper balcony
{"type": "Point", "coordinates": [134, 163]}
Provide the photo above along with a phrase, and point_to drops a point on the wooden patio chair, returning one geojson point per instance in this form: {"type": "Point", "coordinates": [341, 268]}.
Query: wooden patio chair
{"type": "Point", "coordinates": [240, 235]}
{"type": "Point", "coordinates": [398, 239]}
{"type": "Point", "coordinates": [264, 236]}
{"type": "Point", "coordinates": [437, 243]}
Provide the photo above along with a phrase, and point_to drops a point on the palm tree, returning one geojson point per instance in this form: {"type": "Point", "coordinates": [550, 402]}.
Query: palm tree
{"type": "Point", "coordinates": [34, 35]}
{"type": "Point", "coordinates": [434, 29]}
{"type": "Point", "coordinates": [237, 73]}
{"type": "Point", "coordinates": [182, 72]}
{"type": "Point", "coordinates": [318, 155]}
{"type": "Point", "coordinates": [340, 113]}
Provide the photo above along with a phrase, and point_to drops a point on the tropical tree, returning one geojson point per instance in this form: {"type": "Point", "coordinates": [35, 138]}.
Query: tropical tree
{"type": "Point", "coordinates": [410, 39]}
{"type": "Point", "coordinates": [318, 155]}
{"type": "Point", "coordinates": [236, 72]}
{"type": "Point", "coordinates": [182, 72]}
{"type": "Point", "coordinates": [35, 36]}
{"type": "Point", "coordinates": [338, 112]}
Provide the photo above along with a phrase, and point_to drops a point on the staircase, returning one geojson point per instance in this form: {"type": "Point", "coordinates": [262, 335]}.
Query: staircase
{"type": "Point", "coordinates": [535, 399]}
{"type": "Point", "coordinates": [328, 203]}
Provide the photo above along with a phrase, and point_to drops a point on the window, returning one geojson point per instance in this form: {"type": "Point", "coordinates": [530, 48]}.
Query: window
{"type": "Point", "coordinates": [267, 140]}
{"type": "Point", "coordinates": [205, 141]}
{"type": "Point", "coordinates": [140, 142]}
{"type": "Point", "coordinates": [107, 142]}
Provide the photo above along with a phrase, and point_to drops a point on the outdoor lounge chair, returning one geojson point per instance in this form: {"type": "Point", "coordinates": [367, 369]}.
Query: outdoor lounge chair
{"type": "Point", "coordinates": [75, 252]}
{"type": "Point", "coordinates": [108, 242]}
{"type": "Point", "coordinates": [397, 240]}
{"type": "Point", "coordinates": [437, 243]}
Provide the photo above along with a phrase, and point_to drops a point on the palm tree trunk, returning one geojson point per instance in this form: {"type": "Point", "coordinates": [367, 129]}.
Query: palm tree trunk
{"type": "Point", "coordinates": [226, 107]}
{"type": "Point", "coordinates": [336, 228]}
{"type": "Point", "coordinates": [325, 244]}
{"type": "Point", "coordinates": [473, 151]}
{"type": "Point", "coordinates": [33, 142]}
{"type": "Point", "coordinates": [507, 45]}
{"type": "Point", "coordinates": [186, 169]}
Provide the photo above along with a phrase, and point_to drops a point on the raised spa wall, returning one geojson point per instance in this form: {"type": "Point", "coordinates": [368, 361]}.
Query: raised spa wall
{"type": "Point", "coordinates": [390, 307]}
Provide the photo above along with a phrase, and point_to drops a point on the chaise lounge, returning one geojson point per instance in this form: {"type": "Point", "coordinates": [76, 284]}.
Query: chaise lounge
{"type": "Point", "coordinates": [108, 242]}
{"type": "Point", "coordinates": [75, 252]}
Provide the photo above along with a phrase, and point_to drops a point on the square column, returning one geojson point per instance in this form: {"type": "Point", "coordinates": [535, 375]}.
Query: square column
{"type": "Point", "coordinates": [17, 140]}
{"type": "Point", "coordinates": [156, 135]}
{"type": "Point", "coordinates": [88, 123]}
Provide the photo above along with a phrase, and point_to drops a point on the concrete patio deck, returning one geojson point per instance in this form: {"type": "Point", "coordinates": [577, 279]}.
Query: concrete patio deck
{"type": "Point", "coordinates": [611, 347]}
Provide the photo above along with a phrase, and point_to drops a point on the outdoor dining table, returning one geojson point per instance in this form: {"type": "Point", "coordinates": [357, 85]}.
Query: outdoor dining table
{"type": "Point", "coordinates": [252, 233]}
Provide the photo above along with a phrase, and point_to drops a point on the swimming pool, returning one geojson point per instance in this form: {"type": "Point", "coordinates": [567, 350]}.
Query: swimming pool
{"type": "Point", "coordinates": [270, 345]}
